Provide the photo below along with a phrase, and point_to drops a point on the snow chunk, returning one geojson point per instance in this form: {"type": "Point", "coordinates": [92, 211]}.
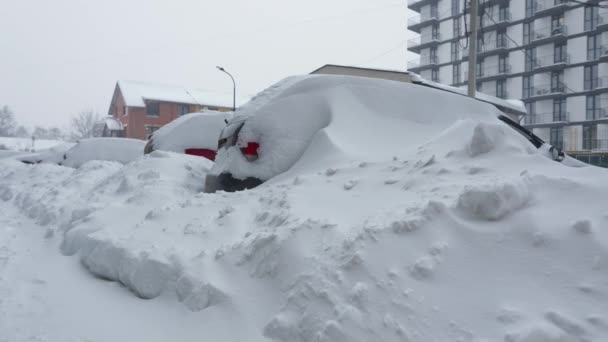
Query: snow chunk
{"type": "Point", "coordinates": [494, 202]}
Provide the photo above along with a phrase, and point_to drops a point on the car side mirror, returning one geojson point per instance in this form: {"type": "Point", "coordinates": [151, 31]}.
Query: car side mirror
{"type": "Point", "coordinates": [556, 154]}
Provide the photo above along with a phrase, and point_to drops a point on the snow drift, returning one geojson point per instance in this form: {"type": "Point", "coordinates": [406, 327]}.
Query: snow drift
{"type": "Point", "coordinates": [460, 235]}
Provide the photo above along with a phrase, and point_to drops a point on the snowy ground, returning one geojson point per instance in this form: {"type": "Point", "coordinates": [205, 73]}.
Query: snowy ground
{"type": "Point", "coordinates": [469, 234]}
{"type": "Point", "coordinates": [446, 248]}
{"type": "Point", "coordinates": [25, 144]}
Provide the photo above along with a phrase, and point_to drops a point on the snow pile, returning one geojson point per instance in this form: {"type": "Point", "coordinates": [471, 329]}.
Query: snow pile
{"type": "Point", "coordinates": [460, 236]}
{"type": "Point", "coordinates": [342, 117]}
{"type": "Point", "coordinates": [194, 130]}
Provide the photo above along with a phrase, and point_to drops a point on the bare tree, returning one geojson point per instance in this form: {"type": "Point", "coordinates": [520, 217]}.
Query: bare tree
{"type": "Point", "coordinates": [7, 122]}
{"type": "Point", "coordinates": [83, 124]}
{"type": "Point", "coordinates": [21, 132]}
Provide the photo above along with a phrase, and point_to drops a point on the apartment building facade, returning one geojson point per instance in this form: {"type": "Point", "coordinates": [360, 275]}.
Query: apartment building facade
{"type": "Point", "coordinates": [551, 54]}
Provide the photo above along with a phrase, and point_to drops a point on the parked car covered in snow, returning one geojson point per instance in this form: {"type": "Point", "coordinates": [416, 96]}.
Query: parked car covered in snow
{"type": "Point", "coordinates": [194, 133]}
{"type": "Point", "coordinates": [122, 150]}
{"type": "Point", "coordinates": [341, 117]}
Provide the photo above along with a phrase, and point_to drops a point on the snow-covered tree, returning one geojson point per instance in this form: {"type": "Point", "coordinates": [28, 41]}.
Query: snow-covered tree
{"type": "Point", "coordinates": [7, 122]}
{"type": "Point", "coordinates": [83, 124]}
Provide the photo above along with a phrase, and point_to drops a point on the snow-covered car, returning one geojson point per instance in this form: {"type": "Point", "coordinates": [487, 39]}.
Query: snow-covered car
{"type": "Point", "coordinates": [122, 150]}
{"type": "Point", "coordinates": [194, 133]}
{"type": "Point", "coordinates": [341, 117]}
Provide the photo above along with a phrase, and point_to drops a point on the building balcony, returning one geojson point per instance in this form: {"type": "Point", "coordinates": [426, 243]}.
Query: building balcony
{"type": "Point", "coordinates": [416, 5]}
{"type": "Point", "coordinates": [503, 95]}
{"type": "Point", "coordinates": [493, 72]}
{"type": "Point", "coordinates": [603, 53]}
{"type": "Point", "coordinates": [489, 48]}
{"type": "Point", "coordinates": [487, 3]}
{"type": "Point", "coordinates": [547, 119]}
{"type": "Point", "coordinates": [549, 35]}
{"type": "Point", "coordinates": [550, 7]}
{"type": "Point", "coordinates": [597, 85]}
{"type": "Point", "coordinates": [423, 41]}
{"type": "Point", "coordinates": [546, 91]}
{"type": "Point", "coordinates": [488, 25]}
{"type": "Point", "coordinates": [422, 63]}
{"type": "Point", "coordinates": [595, 144]}
{"type": "Point", "coordinates": [551, 62]}
{"type": "Point", "coordinates": [597, 114]}
{"type": "Point", "coordinates": [602, 22]}
{"type": "Point", "coordinates": [416, 22]}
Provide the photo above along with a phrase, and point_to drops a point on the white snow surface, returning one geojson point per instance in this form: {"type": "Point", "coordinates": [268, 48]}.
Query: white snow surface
{"type": "Point", "coordinates": [25, 144]}
{"type": "Point", "coordinates": [120, 150]}
{"type": "Point", "coordinates": [194, 130]}
{"type": "Point", "coordinates": [135, 93]}
{"type": "Point", "coordinates": [471, 235]}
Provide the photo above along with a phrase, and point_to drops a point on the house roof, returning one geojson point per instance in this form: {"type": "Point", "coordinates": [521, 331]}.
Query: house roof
{"type": "Point", "coordinates": [135, 94]}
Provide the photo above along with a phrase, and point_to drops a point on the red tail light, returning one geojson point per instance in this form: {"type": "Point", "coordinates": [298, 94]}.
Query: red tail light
{"type": "Point", "coordinates": [201, 152]}
{"type": "Point", "coordinates": [251, 151]}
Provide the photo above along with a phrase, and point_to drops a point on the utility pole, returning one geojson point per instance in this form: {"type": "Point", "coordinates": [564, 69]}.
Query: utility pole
{"type": "Point", "coordinates": [473, 49]}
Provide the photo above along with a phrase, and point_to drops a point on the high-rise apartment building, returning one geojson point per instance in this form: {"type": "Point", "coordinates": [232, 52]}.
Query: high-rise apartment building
{"type": "Point", "coordinates": [551, 54]}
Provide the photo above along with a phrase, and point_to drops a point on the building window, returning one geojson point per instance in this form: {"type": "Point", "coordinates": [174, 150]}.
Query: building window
{"type": "Point", "coordinates": [591, 18]}
{"type": "Point", "coordinates": [150, 129]}
{"type": "Point", "coordinates": [559, 53]}
{"type": "Point", "coordinates": [557, 22]}
{"type": "Point", "coordinates": [480, 67]}
{"type": "Point", "coordinates": [433, 55]}
{"type": "Point", "coordinates": [456, 27]}
{"type": "Point", "coordinates": [557, 137]}
{"type": "Point", "coordinates": [434, 11]}
{"type": "Point", "coordinates": [527, 86]}
{"type": "Point", "coordinates": [435, 32]}
{"type": "Point", "coordinates": [593, 108]}
{"type": "Point", "coordinates": [530, 119]}
{"type": "Point", "coordinates": [503, 12]}
{"type": "Point", "coordinates": [454, 51]}
{"type": "Point", "coordinates": [530, 7]}
{"type": "Point", "coordinates": [559, 110]}
{"type": "Point", "coordinates": [589, 137]}
{"type": "Point", "coordinates": [503, 66]}
{"type": "Point", "coordinates": [593, 47]}
{"type": "Point", "coordinates": [591, 77]}
{"type": "Point", "coordinates": [455, 7]}
{"type": "Point", "coordinates": [527, 32]}
{"type": "Point", "coordinates": [456, 74]}
{"type": "Point", "coordinates": [501, 89]}
{"type": "Point", "coordinates": [183, 109]}
{"type": "Point", "coordinates": [501, 38]}
{"type": "Point", "coordinates": [124, 110]}
{"type": "Point", "coordinates": [530, 55]}
{"type": "Point", "coordinates": [152, 108]}
{"type": "Point", "coordinates": [478, 86]}
{"type": "Point", "coordinates": [434, 75]}
{"type": "Point", "coordinates": [557, 82]}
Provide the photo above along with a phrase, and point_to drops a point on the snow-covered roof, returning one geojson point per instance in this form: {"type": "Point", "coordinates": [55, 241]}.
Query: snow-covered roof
{"type": "Point", "coordinates": [360, 68]}
{"type": "Point", "coordinates": [135, 93]}
{"type": "Point", "coordinates": [511, 106]}
{"type": "Point", "coordinates": [113, 124]}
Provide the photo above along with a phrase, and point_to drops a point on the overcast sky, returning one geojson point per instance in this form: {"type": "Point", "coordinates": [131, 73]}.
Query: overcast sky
{"type": "Point", "coordinates": [63, 56]}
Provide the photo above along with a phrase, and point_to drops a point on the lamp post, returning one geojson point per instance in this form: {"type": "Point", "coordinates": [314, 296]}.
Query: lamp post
{"type": "Point", "coordinates": [233, 86]}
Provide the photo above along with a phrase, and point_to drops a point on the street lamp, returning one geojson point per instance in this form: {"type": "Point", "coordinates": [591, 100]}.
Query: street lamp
{"type": "Point", "coordinates": [233, 86]}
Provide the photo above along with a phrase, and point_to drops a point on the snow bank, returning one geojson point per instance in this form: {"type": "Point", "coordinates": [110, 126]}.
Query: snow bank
{"type": "Point", "coordinates": [25, 144]}
{"type": "Point", "coordinates": [460, 236]}
{"type": "Point", "coordinates": [357, 117]}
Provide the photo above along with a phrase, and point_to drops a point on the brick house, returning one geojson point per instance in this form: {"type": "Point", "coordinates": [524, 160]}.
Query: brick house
{"type": "Point", "coordinates": [143, 108]}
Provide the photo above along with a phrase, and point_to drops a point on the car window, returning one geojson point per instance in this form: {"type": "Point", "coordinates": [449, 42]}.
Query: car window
{"type": "Point", "coordinates": [532, 138]}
